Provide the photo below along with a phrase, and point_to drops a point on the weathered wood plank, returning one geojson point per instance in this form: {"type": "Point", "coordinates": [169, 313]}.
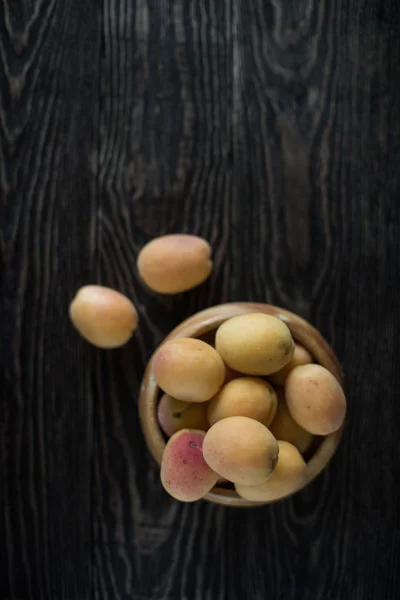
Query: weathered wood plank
{"type": "Point", "coordinates": [273, 130]}
{"type": "Point", "coordinates": [47, 241]}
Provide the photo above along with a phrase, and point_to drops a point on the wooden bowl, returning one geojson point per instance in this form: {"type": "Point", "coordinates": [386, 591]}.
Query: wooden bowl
{"type": "Point", "coordinates": [208, 320]}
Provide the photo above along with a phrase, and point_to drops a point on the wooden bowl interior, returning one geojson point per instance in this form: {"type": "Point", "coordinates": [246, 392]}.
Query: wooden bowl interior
{"type": "Point", "coordinates": [199, 326]}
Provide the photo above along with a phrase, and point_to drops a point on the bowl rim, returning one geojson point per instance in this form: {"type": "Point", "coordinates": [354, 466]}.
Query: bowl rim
{"type": "Point", "coordinates": [207, 320]}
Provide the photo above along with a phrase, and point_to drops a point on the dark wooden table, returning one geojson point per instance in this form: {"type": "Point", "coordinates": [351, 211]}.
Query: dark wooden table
{"type": "Point", "coordinates": [271, 128]}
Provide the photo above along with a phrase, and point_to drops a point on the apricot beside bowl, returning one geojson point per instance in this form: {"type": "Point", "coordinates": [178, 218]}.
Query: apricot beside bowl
{"type": "Point", "coordinates": [201, 325]}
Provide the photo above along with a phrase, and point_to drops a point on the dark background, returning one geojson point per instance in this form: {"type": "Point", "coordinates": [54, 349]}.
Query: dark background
{"type": "Point", "coordinates": [271, 128]}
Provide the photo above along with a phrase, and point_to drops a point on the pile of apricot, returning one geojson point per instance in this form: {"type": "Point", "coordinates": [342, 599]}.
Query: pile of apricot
{"type": "Point", "coordinates": [243, 412]}
{"type": "Point", "coordinates": [169, 264]}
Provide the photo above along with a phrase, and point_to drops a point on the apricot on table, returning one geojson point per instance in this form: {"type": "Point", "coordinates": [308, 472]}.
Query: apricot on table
{"type": "Point", "coordinates": [286, 478]}
{"type": "Point", "coordinates": [241, 449]}
{"type": "Point", "coordinates": [104, 317]}
{"type": "Point", "coordinates": [246, 397]}
{"type": "Point", "coordinates": [174, 415]}
{"type": "Point", "coordinates": [315, 399]}
{"type": "Point", "coordinates": [184, 473]}
{"type": "Point", "coordinates": [175, 263]}
{"type": "Point", "coordinates": [254, 343]}
{"type": "Point", "coordinates": [188, 369]}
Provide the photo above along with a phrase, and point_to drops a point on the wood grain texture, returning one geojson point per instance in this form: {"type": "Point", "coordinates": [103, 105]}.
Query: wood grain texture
{"type": "Point", "coordinates": [273, 130]}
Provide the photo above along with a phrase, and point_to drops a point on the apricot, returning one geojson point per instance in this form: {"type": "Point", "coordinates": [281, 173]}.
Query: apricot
{"type": "Point", "coordinates": [241, 449]}
{"type": "Point", "coordinates": [188, 369]}
{"type": "Point", "coordinates": [315, 399]}
{"type": "Point", "coordinates": [174, 415]}
{"type": "Point", "coordinates": [301, 356]}
{"type": "Point", "coordinates": [286, 478]}
{"type": "Point", "coordinates": [254, 343]}
{"type": "Point", "coordinates": [175, 263]}
{"type": "Point", "coordinates": [184, 473]}
{"type": "Point", "coordinates": [103, 316]}
{"type": "Point", "coordinates": [246, 397]}
{"type": "Point", "coordinates": [283, 427]}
